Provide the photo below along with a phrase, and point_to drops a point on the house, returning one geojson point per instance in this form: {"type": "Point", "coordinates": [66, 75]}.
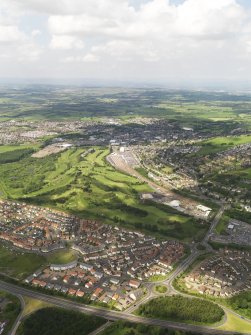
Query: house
{"type": "Point", "coordinates": [80, 293]}
{"type": "Point", "coordinates": [85, 266]}
{"type": "Point", "coordinates": [115, 297]}
{"type": "Point", "coordinates": [29, 279]}
{"type": "Point", "coordinates": [89, 284]}
{"type": "Point", "coordinates": [72, 291]}
{"type": "Point", "coordinates": [134, 283]}
{"type": "Point", "coordinates": [97, 292]}
{"type": "Point", "coordinates": [37, 273]}
{"type": "Point", "coordinates": [63, 267]}
{"type": "Point", "coordinates": [64, 289]}
{"type": "Point", "coordinates": [114, 281]}
{"type": "Point", "coordinates": [50, 286]}
{"type": "Point", "coordinates": [66, 279]}
{"type": "Point", "coordinates": [136, 295]}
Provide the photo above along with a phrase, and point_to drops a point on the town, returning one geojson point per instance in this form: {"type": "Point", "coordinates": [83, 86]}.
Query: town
{"type": "Point", "coordinates": [112, 262]}
{"type": "Point", "coordinates": [225, 274]}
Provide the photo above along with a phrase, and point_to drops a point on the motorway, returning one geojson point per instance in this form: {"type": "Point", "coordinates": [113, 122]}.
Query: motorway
{"type": "Point", "coordinates": [108, 314]}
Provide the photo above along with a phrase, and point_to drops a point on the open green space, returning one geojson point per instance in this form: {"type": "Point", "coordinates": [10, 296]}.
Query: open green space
{"type": "Point", "coordinates": [160, 289]}
{"type": "Point", "coordinates": [236, 324]}
{"type": "Point", "coordinates": [17, 264]}
{"type": "Point", "coordinates": [179, 308]}
{"type": "Point", "coordinates": [10, 308]}
{"type": "Point", "coordinates": [56, 321]}
{"type": "Point", "coordinates": [14, 155]}
{"type": "Point", "coordinates": [32, 305]}
{"type": "Point", "coordinates": [86, 185]}
{"type": "Point", "coordinates": [157, 278]}
{"type": "Point", "coordinates": [62, 256]}
{"type": "Point", "coordinates": [218, 144]}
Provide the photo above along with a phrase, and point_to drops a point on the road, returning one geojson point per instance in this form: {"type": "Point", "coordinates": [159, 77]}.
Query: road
{"type": "Point", "coordinates": [108, 314]}
{"type": "Point", "coordinates": [19, 318]}
{"type": "Point", "coordinates": [101, 329]}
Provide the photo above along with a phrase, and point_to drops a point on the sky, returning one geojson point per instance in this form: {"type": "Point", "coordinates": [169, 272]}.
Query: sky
{"type": "Point", "coordinates": [165, 41]}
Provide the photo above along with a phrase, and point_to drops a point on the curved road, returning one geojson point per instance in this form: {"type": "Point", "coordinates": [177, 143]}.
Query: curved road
{"type": "Point", "coordinates": [19, 318]}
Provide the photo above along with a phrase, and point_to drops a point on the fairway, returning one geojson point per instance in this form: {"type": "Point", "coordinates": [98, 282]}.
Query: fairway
{"type": "Point", "coordinates": [80, 181]}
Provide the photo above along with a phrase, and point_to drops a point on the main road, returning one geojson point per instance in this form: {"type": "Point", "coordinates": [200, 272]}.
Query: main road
{"type": "Point", "coordinates": [108, 314]}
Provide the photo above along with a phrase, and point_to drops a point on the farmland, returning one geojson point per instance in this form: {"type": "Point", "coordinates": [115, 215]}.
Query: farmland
{"type": "Point", "coordinates": [197, 109]}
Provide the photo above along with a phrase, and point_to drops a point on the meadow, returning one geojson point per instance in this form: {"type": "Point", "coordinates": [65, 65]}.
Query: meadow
{"type": "Point", "coordinates": [86, 185]}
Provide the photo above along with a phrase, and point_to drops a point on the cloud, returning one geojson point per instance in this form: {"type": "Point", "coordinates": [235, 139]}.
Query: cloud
{"type": "Point", "coordinates": [66, 42]}
{"type": "Point", "coordinates": [155, 38]}
{"type": "Point", "coordinates": [88, 58]}
{"type": "Point", "coordinates": [10, 34]}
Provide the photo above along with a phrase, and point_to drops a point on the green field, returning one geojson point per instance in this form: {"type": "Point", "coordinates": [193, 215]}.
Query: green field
{"type": "Point", "coordinates": [218, 144]}
{"type": "Point", "coordinates": [207, 111]}
{"type": "Point", "coordinates": [56, 321]}
{"type": "Point", "coordinates": [62, 257]}
{"type": "Point", "coordinates": [18, 265]}
{"type": "Point", "coordinates": [9, 148]}
{"type": "Point", "coordinates": [236, 324]}
{"type": "Point", "coordinates": [88, 186]}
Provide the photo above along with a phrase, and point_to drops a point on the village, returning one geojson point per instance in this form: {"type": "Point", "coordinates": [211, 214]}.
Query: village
{"type": "Point", "coordinates": [226, 273]}
{"type": "Point", "coordinates": [112, 264]}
